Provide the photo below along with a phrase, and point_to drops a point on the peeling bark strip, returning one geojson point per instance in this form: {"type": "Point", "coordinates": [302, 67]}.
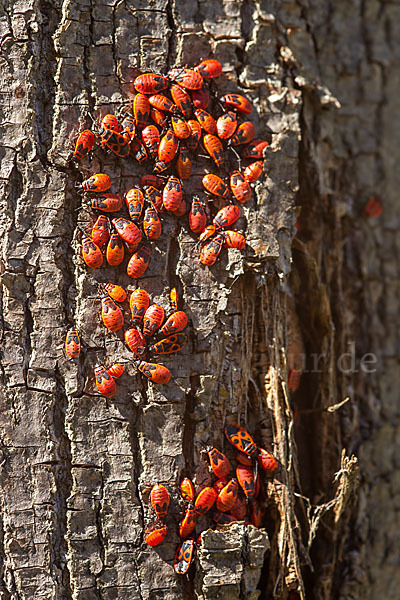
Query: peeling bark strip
{"type": "Point", "coordinates": [74, 464]}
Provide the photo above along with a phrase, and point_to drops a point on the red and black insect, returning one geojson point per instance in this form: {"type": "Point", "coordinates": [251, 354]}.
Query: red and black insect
{"type": "Point", "coordinates": [135, 341]}
{"type": "Point", "coordinates": [207, 233]}
{"type": "Point", "coordinates": [139, 302]}
{"type": "Point", "coordinates": [240, 187]}
{"type": "Point", "coordinates": [244, 134]}
{"type": "Point", "coordinates": [160, 166]}
{"type": "Point", "coordinates": [139, 262]}
{"type": "Point", "coordinates": [187, 490]}
{"type": "Point", "coordinates": [152, 319]}
{"type": "Point", "coordinates": [159, 498]}
{"type": "Point", "coordinates": [128, 128]}
{"type": "Point", "coordinates": [150, 83]}
{"type": "Point", "coordinates": [116, 370]}
{"type": "Point", "coordinates": [237, 102]}
{"type": "Point", "coordinates": [180, 127]}
{"type": "Point", "coordinates": [72, 343]}
{"type": "Point", "coordinates": [182, 100]}
{"type": "Point", "coordinates": [91, 253]}
{"type": "Point", "coordinates": [183, 557]}
{"type": "Point", "coordinates": [206, 121]}
{"type": "Point", "coordinates": [100, 233]}
{"type": "Point", "coordinates": [245, 477]}
{"type": "Point", "coordinates": [134, 201]}
{"type": "Point", "coordinates": [209, 68]}
{"type": "Point", "coordinates": [128, 231]}
{"type": "Point", "coordinates": [154, 537]}
{"type": "Point", "coordinates": [172, 194]}
{"type": "Point", "coordinates": [215, 185]}
{"type": "Point", "coordinates": [188, 522]}
{"type": "Point", "coordinates": [241, 439]}
{"type": "Point", "coordinates": [154, 196]}
{"type": "Point", "coordinates": [219, 463]}
{"type": "Point", "coordinates": [151, 223]}
{"type": "Point", "coordinates": [153, 180]}
{"type": "Point", "coordinates": [184, 164]}
{"type": "Point", "coordinates": [205, 500]}
{"type": "Point", "coordinates": [175, 322]}
{"type": "Point", "coordinates": [107, 202]}
{"type": "Point", "coordinates": [163, 103]}
{"type": "Point", "coordinates": [111, 314]}
{"type": "Point", "coordinates": [159, 117]}
{"type": "Point", "coordinates": [226, 125]}
{"type": "Point", "coordinates": [195, 134]}
{"type": "Point", "coordinates": [211, 250]}
{"type": "Point", "coordinates": [227, 496]}
{"type": "Point", "coordinates": [168, 147]}
{"type": "Point", "coordinates": [116, 292]}
{"type": "Point", "coordinates": [174, 298]}
{"type": "Point", "coordinates": [169, 345]}
{"type": "Point", "coordinates": [233, 239]}
{"type": "Point", "coordinates": [83, 145]}
{"type": "Point", "coordinates": [197, 216]}
{"type": "Point", "coordinates": [187, 78]}
{"type": "Point", "coordinates": [115, 250]}
{"type": "Point", "coordinates": [254, 149]}
{"type": "Point", "coordinates": [253, 171]}
{"type": "Point", "coordinates": [138, 149]}
{"type": "Point", "coordinates": [266, 460]}
{"type": "Point", "coordinates": [214, 148]}
{"type": "Point", "coordinates": [151, 139]}
{"type": "Point", "coordinates": [141, 110]}
{"type": "Point", "coordinates": [374, 207]}
{"type": "Point", "coordinates": [156, 373]}
{"type": "Point", "coordinates": [115, 142]}
{"type": "Point", "coordinates": [105, 383]}
{"type": "Point", "coordinates": [227, 216]}
{"type": "Point", "coordinates": [111, 122]}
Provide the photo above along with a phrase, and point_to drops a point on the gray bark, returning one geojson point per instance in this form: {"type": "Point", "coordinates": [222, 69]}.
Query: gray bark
{"type": "Point", "coordinates": [323, 78]}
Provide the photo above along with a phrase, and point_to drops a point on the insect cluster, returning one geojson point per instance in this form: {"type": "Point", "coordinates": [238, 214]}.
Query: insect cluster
{"type": "Point", "coordinates": [166, 125]}
{"type": "Point", "coordinates": [233, 498]}
{"type": "Point", "coordinates": [171, 120]}
{"type": "Point", "coordinates": [147, 322]}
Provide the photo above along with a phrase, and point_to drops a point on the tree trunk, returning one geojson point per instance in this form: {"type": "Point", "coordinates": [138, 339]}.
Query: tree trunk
{"type": "Point", "coordinates": [323, 78]}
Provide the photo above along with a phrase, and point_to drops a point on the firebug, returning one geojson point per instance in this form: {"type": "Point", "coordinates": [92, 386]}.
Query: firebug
{"type": "Point", "coordinates": [153, 318]}
{"type": "Point", "coordinates": [111, 314]}
{"type": "Point", "coordinates": [159, 498]}
{"type": "Point", "coordinates": [183, 557]}
{"type": "Point", "coordinates": [104, 382]}
{"type": "Point", "coordinates": [138, 303]}
{"type": "Point", "coordinates": [139, 262]}
{"type": "Point", "coordinates": [175, 322]}
{"type": "Point", "coordinates": [72, 344]}
{"type": "Point", "coordinates": [219, 462]}
{"type": "Point", "coordinates": [156, 373]}
{"type": "Point", "coordinates": [150, 83]}
{"type": "Point", "coordinates": [91, 253]}
{"type": "Point", "coordinates": [115, 250]}
{"type": "Point", "coordinates": [205, 500]}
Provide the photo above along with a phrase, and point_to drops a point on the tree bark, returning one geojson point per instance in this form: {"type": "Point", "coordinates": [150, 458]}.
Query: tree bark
{"type": "Point", "coordinates": [75, 467]}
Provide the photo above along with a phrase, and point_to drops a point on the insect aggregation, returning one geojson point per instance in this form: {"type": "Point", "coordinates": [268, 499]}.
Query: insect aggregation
{"type": "Point", "coordinates": [171, 120]}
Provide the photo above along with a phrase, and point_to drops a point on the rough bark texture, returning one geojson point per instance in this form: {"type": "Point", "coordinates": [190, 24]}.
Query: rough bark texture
{"type": "Point", "coordinates": [323, 77]}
